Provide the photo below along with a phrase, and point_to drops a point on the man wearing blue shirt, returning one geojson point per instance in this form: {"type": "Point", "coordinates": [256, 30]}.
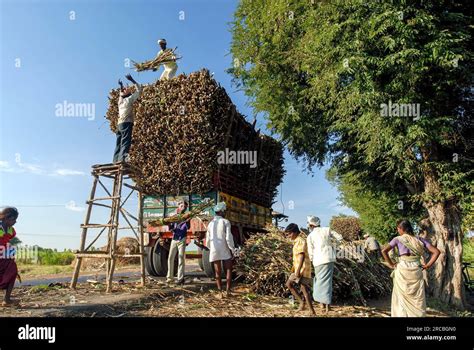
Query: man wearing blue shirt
{"type": "Point", "coordinates": [178, 245]}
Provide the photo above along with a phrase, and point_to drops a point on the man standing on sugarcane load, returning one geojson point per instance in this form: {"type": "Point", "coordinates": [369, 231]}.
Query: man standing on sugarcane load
{"type": "Point", "coordinates": [170, 67]}
{"type": "Point", "coordinates": [323, 255]}
{"type": "Point", "coordinates": [125, 119]}
{"type": "Point", "coordinates": [221, 246]}
{"type": "Point", "coordinates": [178, 245]}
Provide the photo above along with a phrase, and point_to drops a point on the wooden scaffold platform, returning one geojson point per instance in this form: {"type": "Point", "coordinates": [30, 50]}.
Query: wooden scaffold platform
{"type": "Point", "coordinates": [119, 173]}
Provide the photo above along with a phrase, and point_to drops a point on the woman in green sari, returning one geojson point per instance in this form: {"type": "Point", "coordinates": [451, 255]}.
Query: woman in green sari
{"type": "Point", "coordinates": [408, 296]}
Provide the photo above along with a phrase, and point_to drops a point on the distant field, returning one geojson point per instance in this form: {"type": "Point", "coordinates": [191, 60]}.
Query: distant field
{"type": "Point", "coordinates": [38, 270]}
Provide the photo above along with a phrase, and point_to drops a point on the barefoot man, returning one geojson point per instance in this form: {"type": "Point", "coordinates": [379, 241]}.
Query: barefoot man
{"type": "Point", "coordinates": [301, 270]}
{"type": "Point", "coordinates": [220, 242]}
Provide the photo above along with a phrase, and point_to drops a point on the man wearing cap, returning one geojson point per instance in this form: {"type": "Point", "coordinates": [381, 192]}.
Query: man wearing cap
{"type": "Point", "coordinates": [372, 247]}
{"type": "Point", "coordinates": [125, 120]}
{"type": "Point", "coordinates": [301, 269]}
{"type": "Point", "coordinates": [220, 242]}
{"type": "Point", "coordinates": [178, 245]}
{"type": "Point", "coordinates": [323, 255]}
{"type": "Point", "coordinates": [170, 67]}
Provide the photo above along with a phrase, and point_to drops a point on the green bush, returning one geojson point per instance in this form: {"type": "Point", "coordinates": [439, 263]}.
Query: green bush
{"type": "Point", "coordinates": [51, 257]}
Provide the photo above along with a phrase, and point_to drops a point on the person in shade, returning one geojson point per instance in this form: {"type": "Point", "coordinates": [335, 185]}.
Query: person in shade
{"type": "Point", "coordinates": [323, 255]}
{"type": "Point", "coordinates": [221, 246]}
{"type": "Point", "coordinates": [178, 245]}
{"type": "Point", "coordinates": [8, 268]}
{"type": "Point", "coordinates": [301, 269]}
{"type": "Point", "coordinates": [372, 247]}
{"type": "Point", "coordinates": [408, 295]}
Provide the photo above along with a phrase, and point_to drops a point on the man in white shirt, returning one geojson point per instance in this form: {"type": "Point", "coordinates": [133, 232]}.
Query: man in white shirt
{"type": "Point", "coordinates": [372, 247]}
{"type": "Point", "coordinates": [125, 119]}
{"type": "Point", "coordinates": [323, 255]}
{"type": "Point", "coordinates": [170, 67]}
{"type": "Point", "coordinates": [220, 242]}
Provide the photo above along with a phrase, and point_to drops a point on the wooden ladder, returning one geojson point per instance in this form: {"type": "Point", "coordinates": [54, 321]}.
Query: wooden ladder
{"type": "Point", "coordinates": [119, 173]}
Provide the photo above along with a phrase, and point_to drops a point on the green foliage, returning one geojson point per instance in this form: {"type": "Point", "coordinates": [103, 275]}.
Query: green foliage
{"type": "Point", "coordinates": [378, 210]}
{"type": "Point", "coordinates": [52, 257]}
{"type": "Point", "coordinates": [468, 250]}
{"type": "Point", "coordinates": [322, 71]}
{"type": "Point", "coordinates": [45, 256]}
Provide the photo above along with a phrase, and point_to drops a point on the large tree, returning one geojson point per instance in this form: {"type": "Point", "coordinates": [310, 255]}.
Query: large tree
{"type": "Point", "coordinates": [329, 76]}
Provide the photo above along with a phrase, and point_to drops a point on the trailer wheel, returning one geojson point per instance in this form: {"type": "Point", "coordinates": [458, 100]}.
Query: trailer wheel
{"type": "Point", "coordinates": [160, 261]}
{"type": "Point", "coordinates": [208, 267]}
{"type": "Point", "coordinates": [201, 266]}
{"type": "Point", "coordinates": [149, 261]}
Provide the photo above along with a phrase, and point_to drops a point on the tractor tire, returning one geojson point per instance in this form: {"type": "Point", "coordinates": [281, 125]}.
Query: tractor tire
{"type": "Point", "coordinates": [201, 266]}
{"type": "Point", "coordinates": [149, 262]}
{"type": "Point", "coordinates": [208, 267]}
{"type": "Point", "coordinates": [160, 260]}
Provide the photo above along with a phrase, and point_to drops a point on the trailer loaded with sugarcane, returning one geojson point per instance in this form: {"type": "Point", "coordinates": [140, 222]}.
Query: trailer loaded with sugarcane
{"type": "Point", "coordinates": [190, 143]}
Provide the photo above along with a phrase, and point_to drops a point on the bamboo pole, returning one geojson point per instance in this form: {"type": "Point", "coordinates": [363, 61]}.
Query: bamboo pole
{"type": "Point", "coordinates": [82, 245]}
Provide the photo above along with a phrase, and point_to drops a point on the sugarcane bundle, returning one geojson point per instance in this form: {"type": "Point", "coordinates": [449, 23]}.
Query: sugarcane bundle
{"type": "Point", "coordinates": [348, 227]}
{"type": "Point", "coordinates": [181, 125]}
{"type": "Point", "coordinates": [167, 55]}
{"type": "Point", "coordinates": [196, 211]}
{"type": "Point", "coordinates": [265, 263]}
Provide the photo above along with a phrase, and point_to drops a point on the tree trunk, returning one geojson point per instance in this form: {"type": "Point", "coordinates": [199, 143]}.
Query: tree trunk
{"type": "Point", "coordinates": [445, 281]}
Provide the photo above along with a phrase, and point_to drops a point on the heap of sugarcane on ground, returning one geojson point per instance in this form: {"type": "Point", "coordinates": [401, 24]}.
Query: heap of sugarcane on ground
{"type": "Point", "coordinates": [265, 261]}
{"type": "Point", "coordinates": [180, 126]}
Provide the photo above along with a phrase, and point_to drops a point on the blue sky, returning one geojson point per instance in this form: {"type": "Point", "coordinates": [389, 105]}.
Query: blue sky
{"type": "Point", "coordinates": [74, 51]}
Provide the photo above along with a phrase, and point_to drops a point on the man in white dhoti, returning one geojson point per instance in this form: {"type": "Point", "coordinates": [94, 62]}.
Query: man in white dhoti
{"type": "Point", "coordinates": [322, 253]}
{"type": "Point", "coordinates": [220, 242]}
{"type": "Point", "coordinates": [170, 67]}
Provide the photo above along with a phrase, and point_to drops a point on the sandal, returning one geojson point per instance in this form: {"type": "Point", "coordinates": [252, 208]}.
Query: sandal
{"type": "Point", "coordinates": [11, 303]}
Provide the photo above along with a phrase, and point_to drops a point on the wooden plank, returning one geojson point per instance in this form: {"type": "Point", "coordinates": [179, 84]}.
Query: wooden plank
{"type": "Point", "coordinates": [97, 225]}
{"type": "Point", "coordinates": [82, 244]}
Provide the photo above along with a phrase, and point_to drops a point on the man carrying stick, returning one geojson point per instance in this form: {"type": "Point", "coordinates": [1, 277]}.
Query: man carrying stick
{"type": "Point", "coordinates": [301, 270]}
{"type": "Point", "coordinates": [178, 245]}
{"type": "Point", "coordinates": [170, 67]}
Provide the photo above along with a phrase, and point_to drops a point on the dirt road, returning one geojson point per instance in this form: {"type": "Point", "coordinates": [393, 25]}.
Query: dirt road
{"type": "Point", "coordinates": [50, 297]}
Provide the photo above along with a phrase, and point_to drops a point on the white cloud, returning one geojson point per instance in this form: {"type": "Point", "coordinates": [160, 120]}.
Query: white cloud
{"type": "Point", "coordinates": [66, 172]}
{"type": "Point", "coordinates": [71, 205]}
{"type": "Point", "coordinates": [36, 169]}
{"type": "Point", "coordinates": [6, 167]}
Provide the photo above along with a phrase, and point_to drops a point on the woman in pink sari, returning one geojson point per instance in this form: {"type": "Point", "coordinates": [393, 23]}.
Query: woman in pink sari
{"type": "Point", "coordinates": [8, 269]}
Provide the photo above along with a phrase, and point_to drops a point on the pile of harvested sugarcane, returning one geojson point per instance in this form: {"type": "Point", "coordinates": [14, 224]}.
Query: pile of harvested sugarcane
{"type": "Point", "coordinates": [348, 227]}
{"type": "Point", "coordinates": [167, 55]}
{"type": "Point", "coordinates": [265, 263]}
{"type": "Point", "coordinates": [180, 126]}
